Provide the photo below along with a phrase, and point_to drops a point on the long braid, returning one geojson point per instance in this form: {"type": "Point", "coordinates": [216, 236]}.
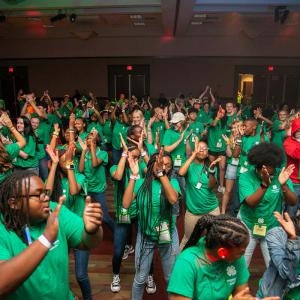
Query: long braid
{"type": "Point", "coordinates": [12, 188]}
{"type": "Point", "coordinates": [221, 230]}
{"type": "Point", "coordinates": [5, 161]}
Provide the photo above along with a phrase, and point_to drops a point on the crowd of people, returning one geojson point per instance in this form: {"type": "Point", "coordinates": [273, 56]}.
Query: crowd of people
{"type": "Point", "coordinates": [230, 170]}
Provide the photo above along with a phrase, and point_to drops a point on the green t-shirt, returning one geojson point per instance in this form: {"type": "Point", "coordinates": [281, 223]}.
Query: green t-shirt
{"type": "Point", "coordinates": [158, 125]}
{"type": "Point", "coordinates": [278, 135]}
{"type": "Point", "coordinates": [32, 160]}
{"type": "Point", "coordinates": [118, 128]}
{"type": "Point", "coordinates": [83, 136]}
{"type": "Point", "coordinates": [198, 129]}
{"type": "Point", "coordinates": [272, 200]}
{"type": "Point", "coordinates": [13, 152]}
{"type": "Point", "coordinates": [98, 127]}
{"type": "Point", "coordinates": [147, 114]}
{"type": "Point", "coordinates": [64, 111]}
{"type": "Point", "coordinates": [230, 120]}
{"type": "Point", "coordinates": [75, 203]}
{"type": "Point", "coordinates": [50, 280]}
{"type": "Point", "coordinates": [95, 177]}
{"type": "Point", "coordinates": [215, 140]}
{"type": "Point", "coordinates": [199, 198]}
{"type": "Point", "coordinates": [179, 153]}
{"type": "Point", "coordinates": [195, 277]}
{"type": "Point", "coordinates": [107, 132]}
{"type": "Point", "coordinates": [142, 205]}
{"type": "Point", "coordinates": [41, 138]}
{"type": "Point", "coordinates": [204, 117]}
{"type": "Point", "coordinates": [46, 125]}
{"type": "Point", "coordinates": [247, 143]}
{"type": "Point", "coordinates": [118, 205]}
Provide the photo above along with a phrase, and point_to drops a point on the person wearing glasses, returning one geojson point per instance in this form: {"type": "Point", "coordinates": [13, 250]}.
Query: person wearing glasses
{"type": "Point", "coordinates": [200, 180]}
{"type": "Point", "coordinates": [36, 235]}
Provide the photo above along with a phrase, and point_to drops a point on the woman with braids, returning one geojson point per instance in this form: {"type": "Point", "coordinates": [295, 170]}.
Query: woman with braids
{"type": "Point", "coordinates": [35, 237]}
{"type": "Point", "coordinates": [154, 197]}
{"type": "Point", "coordinates": [10, 151]}
{"type": "Point", "coordinates": [212, 265]}
{"type": "Point", "coordinates": [27, 158]}
{"type": "Point", "coordinates": [65, 180]}
{"type": "Point", "coordinates": [200, 180]}
{"type": "Point", "coordinates": [263, 190]}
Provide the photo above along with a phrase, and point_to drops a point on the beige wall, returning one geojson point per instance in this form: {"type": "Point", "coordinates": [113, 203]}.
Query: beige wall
{"type": "Point", "coordinates": [169, 75]}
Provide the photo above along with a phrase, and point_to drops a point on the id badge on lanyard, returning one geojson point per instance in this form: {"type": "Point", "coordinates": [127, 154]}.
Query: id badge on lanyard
{"type": "Point", "coordinates": [260, 228]}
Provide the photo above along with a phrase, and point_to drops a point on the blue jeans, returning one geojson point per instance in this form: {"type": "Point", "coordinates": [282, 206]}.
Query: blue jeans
{"type": "Point", "coordinates": [82, 277]}
{"type": "Point", "coordinates": [168, 254]}
{"type": "Point", "coordinates": [120, 238]}
{"type": "Point", "coordinates": [292, 210]}
{"type": "Point", "coordinates": [116, 155]}
{"type": "Point", "coordinates": [43, 168]}
{"type": "Point", "coordinates": [100, 198]}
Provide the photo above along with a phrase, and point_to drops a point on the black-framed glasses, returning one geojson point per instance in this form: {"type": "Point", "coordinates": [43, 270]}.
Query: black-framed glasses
{"type": "Point", "coordinates": [42, 197]}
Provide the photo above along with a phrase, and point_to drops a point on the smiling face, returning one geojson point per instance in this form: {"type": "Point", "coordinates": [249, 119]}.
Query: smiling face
{"type": "Point", "coordinates": [136, 118]}
{"type": "Point", "coordinates": [38, 203]}
{"type": "Point", "coordinates": [79, 125]}
{"type": "Point", "coordinates": [35, 122]}
{"type": "Point", "coordinates": [203, 153]}
{"type": "Point", "coordinates": [20, 125]}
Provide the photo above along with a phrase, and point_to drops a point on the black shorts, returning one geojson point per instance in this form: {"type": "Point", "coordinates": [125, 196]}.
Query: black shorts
{"type": "Point", "coordinates": [213, 153]}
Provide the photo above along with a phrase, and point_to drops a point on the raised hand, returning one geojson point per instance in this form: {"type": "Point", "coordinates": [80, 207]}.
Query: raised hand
{"type": "Point", "coordinates": [6, 121]}
{"type": "Point", "coordinates": [265, 175]}
{"type": "Point", "coordinates": [287, 224]}
{"type": "Point", "coordinates": [52, 226]}
{"type": "Point", "coordinates": [72, 120]}
{"type": "Point", "coordinates": [82, 144]}
{"type": "Point", "coordinates": [124, 146]}
{"type": "Point", "coordinates": [214, 163]}
{"type": "Point", "coordinates": [285, 174]}
{"type": "Point", "coordinates": [159, 161]}
{"type": "Point", "coordinates": [56, 127]}
{"type": "Point", "coordinates": [157, 140]}
{"type": "Point", "coordinates": [226, 139]}
{"type": "Point", "coordinates": [92, 216]}
{"type": "Point", "coordinates": [133, 164]}
{"type": "Point", "coordinates": [53, 154]}
{"type": "Point", "coordinates": [70, 153]}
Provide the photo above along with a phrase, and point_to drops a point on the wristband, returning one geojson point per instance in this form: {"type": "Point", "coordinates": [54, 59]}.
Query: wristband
{"type": "Point", "coordinates": [70, 165]}
{"type": "Point", "coordinates": [238, 141]}
{"type": "Point", "coordinates": [124, 154]}
{"type": "Point", "coordinates": [212, 171]}
{"type": "Point", "coordinates": [71, 130]}
{"type": "Point", "coordinates": [44, 241]}
{"type": "Point", "coordinates": [160, 174]}
{"type": "Point", "coordinates": [134, 177]}
{"type": "Point", "coordinates": [55, 133]}
{"type": "Point", "coordinates": [143, 153]}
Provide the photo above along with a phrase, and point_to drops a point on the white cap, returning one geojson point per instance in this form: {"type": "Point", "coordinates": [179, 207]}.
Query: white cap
{"type": "Point", "coordinates": [177, 117]}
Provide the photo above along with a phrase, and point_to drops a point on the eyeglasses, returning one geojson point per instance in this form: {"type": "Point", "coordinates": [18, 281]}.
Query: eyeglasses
{"type": "Point", "coordinates": [39, 197]}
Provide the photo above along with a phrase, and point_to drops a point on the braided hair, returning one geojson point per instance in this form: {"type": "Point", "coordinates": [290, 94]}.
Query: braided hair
{"type": "Point", "coordinates": [145, 205]}
{"type": "Point", "coordinates": [12, 188]}
{"type": "Point", "coordinates": [221, 230]}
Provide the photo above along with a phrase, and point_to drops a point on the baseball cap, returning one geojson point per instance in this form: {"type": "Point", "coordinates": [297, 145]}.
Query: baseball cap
{"type": "Point", "coordinates": [177, 117]}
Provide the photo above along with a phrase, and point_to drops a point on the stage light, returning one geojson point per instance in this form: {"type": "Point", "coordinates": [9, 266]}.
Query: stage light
{"type": "Point", "coordinates": [129, 68]}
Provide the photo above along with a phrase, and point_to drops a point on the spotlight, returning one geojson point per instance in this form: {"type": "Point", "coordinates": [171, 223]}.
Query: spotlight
{"type": "Point", "coordinates": [281, 14]}
{"type": "Point", "coordinates": [73, 18]}
{"type": "Point", "coordinates": [2, 18]}
{"type": "Point", "coordinates": [60, 16]}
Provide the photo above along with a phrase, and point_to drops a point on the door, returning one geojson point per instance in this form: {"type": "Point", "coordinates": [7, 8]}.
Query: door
{"type": "Point", "coordinates": [129, 80]}
{"type": "Point", "coordinates": [10, 84]}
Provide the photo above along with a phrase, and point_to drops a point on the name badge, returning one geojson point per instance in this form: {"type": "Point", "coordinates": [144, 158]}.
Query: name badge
{"type": "Point", "coordinates": [198, 186]}
{"type": "Point", "coordinates": [219, 144]}
{"type": "Point", "coordinates": [177, 162]}
{"type": "Point", "coordinates": [235, 161]}
{"type": "Point", "coordinates": [260, 230]}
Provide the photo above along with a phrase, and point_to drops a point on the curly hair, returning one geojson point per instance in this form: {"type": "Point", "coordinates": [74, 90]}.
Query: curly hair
{"type": "Point", "coordinates": [268, 154]}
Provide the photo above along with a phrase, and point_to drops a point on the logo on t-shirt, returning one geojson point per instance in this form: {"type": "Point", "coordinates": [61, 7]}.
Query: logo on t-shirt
{"type": "Point", "coordinates": [231, 271]}
{"type": "Point", "coordinates": [55, 244]}
{"type": "Point", "coordinates": [275, 188]}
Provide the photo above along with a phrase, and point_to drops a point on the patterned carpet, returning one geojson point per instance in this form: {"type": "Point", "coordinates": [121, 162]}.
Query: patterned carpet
{"type": "Point", "coordinates": [100, 269]}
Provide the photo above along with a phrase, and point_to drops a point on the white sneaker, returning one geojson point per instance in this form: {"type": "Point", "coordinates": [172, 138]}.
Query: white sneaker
{"type": "Point", "coordinates": [221, 189]}
{"type": "Point", "coordinates": [128, 250]}
{"type": "Point", "coordinates": [115, 285]}
{"type": "Point", "coordinates": [150, 285]}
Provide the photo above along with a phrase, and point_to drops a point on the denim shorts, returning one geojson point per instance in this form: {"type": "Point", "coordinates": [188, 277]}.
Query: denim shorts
{"type": "Point", "coordinates": [231, 172]}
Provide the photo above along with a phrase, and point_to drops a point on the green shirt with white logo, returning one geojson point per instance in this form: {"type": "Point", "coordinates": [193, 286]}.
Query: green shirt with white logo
{"type": "Point", "coordinates": [262, 213]}
{"type": "Point", "coordinates": [50, 280]}
{"type": "Point", "coordinates": [119, 128]}
{"type": "Point", "coordinates": [199, 198]}
{"type": "Point", "coordinates": [196, 278]}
